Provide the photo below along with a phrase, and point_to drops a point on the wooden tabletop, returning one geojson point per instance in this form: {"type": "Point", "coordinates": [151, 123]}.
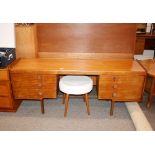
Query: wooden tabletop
{"type": "Point", "coordinates": [149, 66]}
{"type": "Point", "coordinates": [77, 66]}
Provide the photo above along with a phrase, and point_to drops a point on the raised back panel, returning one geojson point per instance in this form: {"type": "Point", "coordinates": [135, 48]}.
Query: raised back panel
{"type": "Point", "coordinates": [86, 40]}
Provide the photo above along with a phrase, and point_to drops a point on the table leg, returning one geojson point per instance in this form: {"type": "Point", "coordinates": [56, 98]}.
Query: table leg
{"type": "Point", "coordinates": [112, 108]}
{"type": "Point", "coordinates": [42, 106]}
{"type": "Point", "coordinates": [149, 101]}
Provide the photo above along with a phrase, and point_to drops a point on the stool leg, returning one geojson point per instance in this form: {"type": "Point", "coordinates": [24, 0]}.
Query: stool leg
{"type": "Point", "coordinates": [84, 98]}
{"type": "Point", "coordinates": [64, 95]}
{"type": "Point", "coordinates": [42, 106]}
{"type": "Point", "coordinates": [66, 104]}
{"type": "Point", "coordinates": [112, 108]}
{"type": "Point", "coordinates": [87, 104]}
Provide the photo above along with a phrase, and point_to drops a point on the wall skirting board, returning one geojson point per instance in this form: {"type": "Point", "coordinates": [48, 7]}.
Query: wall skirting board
{"type": "Point", "coordinates": [139, 119]}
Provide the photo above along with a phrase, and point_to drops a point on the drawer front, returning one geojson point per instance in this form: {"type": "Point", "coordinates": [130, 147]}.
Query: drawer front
{"type": "Point", "coordinates": [27, 93]}
{"type": "Point", "coordinates": [25, 80]}
{"type": "Point", "coordinates": [35, 93]}
{"type": "Point", "coordinates": [4, 75]}
{"type": "Point", "coordinates": [4, 89]}
{"type": "Point", "coordinates": [130, 93]}
{"type": "Point", "coordinates": [5, 102]}
{"type": "Point", "coordinates": [34, 86]}
{"type": "Point", "coordinates": [121, 87]}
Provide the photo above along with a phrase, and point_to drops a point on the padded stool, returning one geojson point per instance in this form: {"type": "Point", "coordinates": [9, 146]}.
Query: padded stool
{"type": "Point", "coordinates": [75, 85]}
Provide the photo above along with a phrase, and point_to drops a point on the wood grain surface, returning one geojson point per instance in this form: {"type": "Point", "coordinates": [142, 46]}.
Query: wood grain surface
{"type": "Point", "coordinates": [85, 38]}
{"type": "Point", "coordinates": [77, 66]}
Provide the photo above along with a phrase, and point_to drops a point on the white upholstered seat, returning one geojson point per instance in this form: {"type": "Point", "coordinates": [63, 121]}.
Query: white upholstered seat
{"type": "Point", "coordinates": [75, 85]}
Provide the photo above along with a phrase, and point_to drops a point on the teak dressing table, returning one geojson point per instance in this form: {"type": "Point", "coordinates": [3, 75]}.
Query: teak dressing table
{"type": "Point", "coordinates": [102, 51]}
{"type": "Point", "coordinates": [117, 80]}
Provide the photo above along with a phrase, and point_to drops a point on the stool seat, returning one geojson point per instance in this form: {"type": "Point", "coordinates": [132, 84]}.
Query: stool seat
{"type": "Point", "coordinates": [75, 85]}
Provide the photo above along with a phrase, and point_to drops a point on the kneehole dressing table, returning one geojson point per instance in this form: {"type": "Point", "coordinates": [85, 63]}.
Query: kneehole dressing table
{"type": "Point", "coordinates": [116, 80]}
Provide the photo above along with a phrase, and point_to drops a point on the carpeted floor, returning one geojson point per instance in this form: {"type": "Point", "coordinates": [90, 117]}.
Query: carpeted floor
{"type": "Point", "coordinates": [149, 112]}
{"type": "Point", "coordinates": [28, 117]}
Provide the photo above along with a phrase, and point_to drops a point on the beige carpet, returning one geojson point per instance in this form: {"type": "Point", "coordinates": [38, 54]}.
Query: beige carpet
{"type": "Point", "coordinates": [149, 112]}
{"type": "Point", "coordinates": [28, 117]}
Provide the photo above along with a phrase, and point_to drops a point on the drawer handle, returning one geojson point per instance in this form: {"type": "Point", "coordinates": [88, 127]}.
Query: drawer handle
{"type": "Point", "coordinates": [39, 77]}
{"type": "Point", "coordinates": [114, 94]}
{"type": "Point", "coordinates": [40, 93]}
{"type": "Point", "coordinates": [115, 86]}
{"type": "Point", "coordinates": [114, 78]}
{"type": "Point", "coordinates": [39, 85]}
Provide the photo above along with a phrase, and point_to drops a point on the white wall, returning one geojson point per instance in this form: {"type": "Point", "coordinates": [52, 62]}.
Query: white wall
{"type": "Point", "coordinates": [148, 28]}
{"type": "Point", "coordinates": [7, 35]}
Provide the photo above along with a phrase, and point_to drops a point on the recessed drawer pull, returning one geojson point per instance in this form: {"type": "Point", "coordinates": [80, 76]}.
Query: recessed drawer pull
{"type": "Point", "coordinates": [39, 77]}
{"type": "Point", "coordinates": [40, 93]}
{"type": "Point", "coordinates": [114, 78]}
{"type": "Point", "coordinates": [115, 86]}
{"type": "Point", "coordinates": [39, 85]}
{"type": "Point", "coordinates": [114, 94]}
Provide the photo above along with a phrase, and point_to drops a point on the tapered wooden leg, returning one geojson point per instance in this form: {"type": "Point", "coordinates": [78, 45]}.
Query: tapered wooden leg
{"type": "Point", "coordinates": [64, 95]}
{"type": "Point", "coordinates": [66, 104]}
{"type": "Point", "coordinates": [149, 100]}
{"type": "Point", "coordinates": [87, 103]}
{"type": "Point", "coordinates": [112, 108]}
{"type": "Point", "coordinates": [84, 98]}
{"type": "Point", "coordinates": [42, 106]}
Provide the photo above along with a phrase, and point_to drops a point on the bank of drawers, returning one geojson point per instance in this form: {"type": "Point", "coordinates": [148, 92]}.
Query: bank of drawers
{"type": "Point", "coordinates": [5, 92]}
{"type": "Point", "coordinates": [34, 86]}
{"type": "Point", "coordinates": [121, 87]}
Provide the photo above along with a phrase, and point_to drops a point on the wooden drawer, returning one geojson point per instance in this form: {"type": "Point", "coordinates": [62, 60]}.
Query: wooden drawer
{"type": "Point", "coordinates": [35, 93]}
{"type": "Point", "coordinates": [33, 79]}
{"type": "Point", "coordinates": [120, 87]}
{"type": "Point", "coordinates": [27, 93]}
{"type": "Point", "coordinates": [127, 94]}
{"type": "Point", "coordinates": [5, 102]}
{"type": "Point", "coordinates": [4, 89]}
{"type": "Point", "coordinates": [4, 75]}
{"type": "Point", "coordinates": [25, 79]}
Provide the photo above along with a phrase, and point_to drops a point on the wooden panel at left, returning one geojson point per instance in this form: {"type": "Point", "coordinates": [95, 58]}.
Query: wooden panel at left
{"type": "Point", "coordinates": [26, 41]}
